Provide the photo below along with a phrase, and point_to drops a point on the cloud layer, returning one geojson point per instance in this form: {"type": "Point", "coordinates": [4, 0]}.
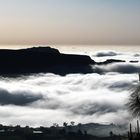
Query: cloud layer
{"type": "Point", "coordinates": [118, 67]}
{"type": "Point", "coordinates": [44, 99]}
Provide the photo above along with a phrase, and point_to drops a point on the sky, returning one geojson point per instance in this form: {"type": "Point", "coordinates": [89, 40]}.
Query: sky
{"type": "Point", "coordinates": [82, 22]}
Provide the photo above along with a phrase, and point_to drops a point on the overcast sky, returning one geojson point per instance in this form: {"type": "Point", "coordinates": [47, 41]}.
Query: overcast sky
{"type": "Point", "coordinates": [103, 22]}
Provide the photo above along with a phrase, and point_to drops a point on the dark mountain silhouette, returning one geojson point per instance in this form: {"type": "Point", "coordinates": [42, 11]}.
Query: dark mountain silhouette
{"type": "Point", "coordinates": [134, 61]}
{"type": "Point", "coordinates": [44, 59]}
{"type": "Point", "coordinates": [109, 61]}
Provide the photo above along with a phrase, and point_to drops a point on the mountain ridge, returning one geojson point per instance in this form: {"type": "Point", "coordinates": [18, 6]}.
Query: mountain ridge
{"type": "Point", "coordinates": [45, 59]}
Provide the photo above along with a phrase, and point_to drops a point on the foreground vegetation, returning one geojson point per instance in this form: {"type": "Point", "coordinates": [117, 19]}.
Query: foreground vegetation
{"type": "Point", "coordinates": [51, 133]}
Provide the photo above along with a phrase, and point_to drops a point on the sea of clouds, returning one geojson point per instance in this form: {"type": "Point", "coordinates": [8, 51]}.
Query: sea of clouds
{"type": "Point", "coordinates": [45, 98]}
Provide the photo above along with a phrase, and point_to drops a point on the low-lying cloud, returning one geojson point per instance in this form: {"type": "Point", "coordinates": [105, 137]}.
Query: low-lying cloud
{"type": "Point", "coordinates": [47, 98]}
{"type": "Point", "coordinates": [104, 55]}
{"type": "Point", "coordinates": [118, 67]}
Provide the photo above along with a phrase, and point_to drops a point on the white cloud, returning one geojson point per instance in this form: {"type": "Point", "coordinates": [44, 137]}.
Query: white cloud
{"type": "Point", "coordinates": [82, 98]}
{"type": "Point", "coordinates": [118, 67]}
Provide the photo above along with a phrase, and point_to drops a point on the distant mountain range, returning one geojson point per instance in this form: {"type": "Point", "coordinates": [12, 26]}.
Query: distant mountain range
{"type": "Point", "coordinates": [45, 59]}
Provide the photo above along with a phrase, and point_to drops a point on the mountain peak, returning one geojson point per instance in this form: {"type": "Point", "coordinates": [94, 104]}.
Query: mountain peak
{"type": "Point", "coordinates": [45, 49]}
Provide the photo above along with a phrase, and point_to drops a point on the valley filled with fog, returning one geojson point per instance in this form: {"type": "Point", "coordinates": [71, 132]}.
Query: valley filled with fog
{"type": "Point", "coordinates": [45, 98]}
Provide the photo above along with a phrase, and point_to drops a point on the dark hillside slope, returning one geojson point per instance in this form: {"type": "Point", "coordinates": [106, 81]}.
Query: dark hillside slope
{"type": "Point", "coordinates": [43, 59]}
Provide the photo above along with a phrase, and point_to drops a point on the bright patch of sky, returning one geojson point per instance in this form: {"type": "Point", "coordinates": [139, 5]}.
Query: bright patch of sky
{"type": "Point", "coordinates": [103, 22]}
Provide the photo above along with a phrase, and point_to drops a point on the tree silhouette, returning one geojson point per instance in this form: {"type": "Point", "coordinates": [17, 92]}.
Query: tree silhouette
{"type": "Point", "coordinates": [134, 101]}
{"type": "Point", "coordinates": [72, 123]}
{"type": "Point", "coordinates": [65, 124]}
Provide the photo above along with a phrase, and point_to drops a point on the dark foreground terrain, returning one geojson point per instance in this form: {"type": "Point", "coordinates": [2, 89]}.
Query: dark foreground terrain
{"type": "Point", "coordinates": [67, 132]}
{"type": "Point", "coordinates": [52, 133]}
